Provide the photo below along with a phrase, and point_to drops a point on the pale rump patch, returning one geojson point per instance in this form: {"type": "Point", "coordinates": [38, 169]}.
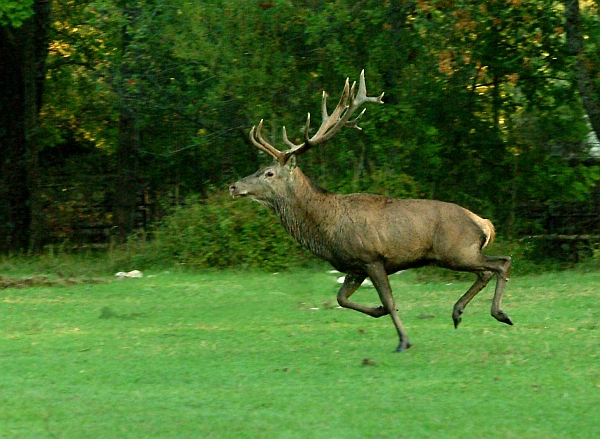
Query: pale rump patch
{"type": "Point", "coordinates": [486, 226]}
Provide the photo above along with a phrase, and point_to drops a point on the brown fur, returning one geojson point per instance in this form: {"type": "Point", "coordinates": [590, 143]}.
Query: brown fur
{"type": "Point", "coordinates": [373, 236]}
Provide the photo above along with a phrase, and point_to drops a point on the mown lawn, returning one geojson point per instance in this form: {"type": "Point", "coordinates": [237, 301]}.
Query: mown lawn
{"type": "Point", "coordinates": [247, 355]}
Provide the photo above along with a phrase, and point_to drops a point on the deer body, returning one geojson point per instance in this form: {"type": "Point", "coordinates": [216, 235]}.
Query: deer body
{"type": "Point", "coordinates": [366, 235]}
{"type": "Point", "coordinates": [350, 231]}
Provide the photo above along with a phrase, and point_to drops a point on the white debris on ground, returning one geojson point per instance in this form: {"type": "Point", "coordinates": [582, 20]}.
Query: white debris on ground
{"type": "Point", "coordinates": [129, 274]}
{"type": "Point", "coordinates": [340, 280]}
{"type": "Point", "coordinates": [366, 282]}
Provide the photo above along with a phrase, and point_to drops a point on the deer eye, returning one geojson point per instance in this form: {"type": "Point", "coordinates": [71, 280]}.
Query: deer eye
{"type": "Point", "coordinates": [269, 174]}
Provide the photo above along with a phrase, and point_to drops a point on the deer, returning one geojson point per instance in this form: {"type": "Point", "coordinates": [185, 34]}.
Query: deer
{"type": "Point", "coordinates": [366, 235]}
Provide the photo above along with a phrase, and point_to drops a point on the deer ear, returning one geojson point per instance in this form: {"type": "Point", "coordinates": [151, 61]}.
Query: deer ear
{"type": "Point", "coordinates": [291, 163]}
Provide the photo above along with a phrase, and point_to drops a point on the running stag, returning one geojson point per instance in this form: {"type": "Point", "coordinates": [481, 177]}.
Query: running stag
{"type": "Point", "coordinates": [372, 236]}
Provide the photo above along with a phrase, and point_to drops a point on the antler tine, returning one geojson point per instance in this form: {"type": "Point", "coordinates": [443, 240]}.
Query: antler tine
{"type": "Point", "coordinates": [362, 97]}
{"type": "Point", "coordinates": [292, 145]}
{"type": "Point", "coordinates": [353, 90]}
{"type": "Point", "coordinates": [362, 88]}
{"type": "Point", "coordinates": [294, 148]}
{"type": "Point", "coordinates": [287, 141]}
{"type": "Point", "coordinates": [263, 145]}
{"type": "Point", "coordinates": [324, 114]}
{"type": "Point", "coordinates": [330, 121]}
{"type": "Point", "coordinates": [354, 122]}
{"type": "Point", "coordinates": [306, 127]}
{"type": "Point", "coordinates": [254, 142]}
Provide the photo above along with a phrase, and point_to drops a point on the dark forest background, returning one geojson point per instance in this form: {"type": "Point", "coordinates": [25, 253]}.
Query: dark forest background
{"type": "Point", "coordinates": [121, 118]}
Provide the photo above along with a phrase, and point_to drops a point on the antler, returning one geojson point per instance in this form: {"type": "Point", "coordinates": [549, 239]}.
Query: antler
{"type": "Point", "coordinates": [339, 118]}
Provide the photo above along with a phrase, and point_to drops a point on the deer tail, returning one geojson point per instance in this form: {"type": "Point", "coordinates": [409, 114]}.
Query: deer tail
{"type": "Point", "coordinates": [489, 231]}
{"type": "Point", "coordinates": [486, 227]}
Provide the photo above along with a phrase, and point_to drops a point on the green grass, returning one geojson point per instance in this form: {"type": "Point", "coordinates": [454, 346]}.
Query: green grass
{"type": "Point", "coordinates": [245, 355]}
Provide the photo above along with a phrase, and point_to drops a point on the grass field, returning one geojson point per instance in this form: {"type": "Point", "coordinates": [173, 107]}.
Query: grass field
{"type": "Point", "coordinates": [247, 355]}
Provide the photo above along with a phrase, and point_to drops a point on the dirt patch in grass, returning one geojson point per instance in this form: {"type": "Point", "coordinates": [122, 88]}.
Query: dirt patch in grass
{"type": "Point", "coordinates": [43, 281]}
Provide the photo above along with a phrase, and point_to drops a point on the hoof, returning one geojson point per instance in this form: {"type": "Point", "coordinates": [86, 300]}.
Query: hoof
{"type": "Point", "coordinates": [456, 316]}
{"type": "Point", "coordinates": [501, 316]}
{"type": "Point", "coordinates": [402, 348]}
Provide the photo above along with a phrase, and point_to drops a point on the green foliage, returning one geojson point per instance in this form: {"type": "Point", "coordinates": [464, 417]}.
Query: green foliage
{"type": "Point", "coordinates": [480, 107]}
{"type": "Point", "coordinates": [15, 12]}
{"type": "Point", "coordinates": [221, 232]}
{"type": "Point", "coordinates": [244, 355]}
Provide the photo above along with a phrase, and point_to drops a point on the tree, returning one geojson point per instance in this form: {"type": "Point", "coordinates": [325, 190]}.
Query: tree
{"type": "Point", "coordinates": [23, 51]}
{"type": "Point", "coordinates": [588, 87]}
{"type": "Point", "coordinates": [15, 12]}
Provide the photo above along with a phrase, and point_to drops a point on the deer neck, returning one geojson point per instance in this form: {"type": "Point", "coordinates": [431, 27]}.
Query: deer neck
{"type": "Point", "coordinates": [306, 212]}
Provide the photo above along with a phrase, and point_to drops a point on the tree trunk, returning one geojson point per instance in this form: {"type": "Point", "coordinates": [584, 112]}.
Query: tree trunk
{"type": "Point", "coordinates": [588, 90]}
{"type": "Point", "coordinates": [35, 69]}
{"type": "Point", "coordinates": [14, 213]}
{"type": "Point", "coordinates": [126, 185]}
{"type": "Point", "coordinates": [23, 53]}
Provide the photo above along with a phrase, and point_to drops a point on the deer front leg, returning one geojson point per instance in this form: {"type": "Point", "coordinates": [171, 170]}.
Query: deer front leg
{"type": "Point", "coordinates": [381, 282]}
{"type": "Point", "coordinates": [351, 283]}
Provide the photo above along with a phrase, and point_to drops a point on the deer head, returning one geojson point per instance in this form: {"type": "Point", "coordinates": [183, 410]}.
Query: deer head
{"type": "Point", "coordinates": [274, 180]}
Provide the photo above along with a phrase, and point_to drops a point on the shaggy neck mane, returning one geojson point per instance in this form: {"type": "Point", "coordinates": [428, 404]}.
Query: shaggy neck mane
{"type": "Point", "coordinates": [302, 213]}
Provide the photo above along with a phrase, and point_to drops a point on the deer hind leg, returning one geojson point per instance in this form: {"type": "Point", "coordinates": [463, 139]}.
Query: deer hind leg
{"type": "Point", "coordinates": [483, 277]}
{"type": "Point", "coordinates": [351, 284]}
{"type": "Point", "coordinates": [501, 268]}
{"type": "Point", "coordinates": [381, 282]}
{"type": "Point", "coordinates": [486, 267]}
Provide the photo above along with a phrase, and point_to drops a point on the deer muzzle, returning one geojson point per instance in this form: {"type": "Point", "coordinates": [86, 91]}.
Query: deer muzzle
{"type": "Point", "coordinates": [235, 191]}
